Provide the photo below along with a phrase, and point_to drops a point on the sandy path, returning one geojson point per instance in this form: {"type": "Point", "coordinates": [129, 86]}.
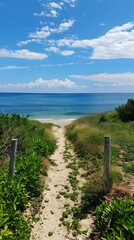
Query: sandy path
{"type": "Point", "coordinates": [48, 225]}
{"type": "Point", "coordinates": [60, 122]}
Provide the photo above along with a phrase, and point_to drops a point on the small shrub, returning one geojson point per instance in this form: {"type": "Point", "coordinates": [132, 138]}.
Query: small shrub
{"type": "Point", "coordinates": [126, 111]}
{"type": "Point", "coordinates": [50, 234]}
{"type": "Point", "coordinates": [102, 119]}
{"type": "Point", "coordinates": [116, 219]}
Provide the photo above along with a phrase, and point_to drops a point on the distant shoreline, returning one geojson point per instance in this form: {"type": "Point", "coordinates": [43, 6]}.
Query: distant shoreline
{"type": "Point", "coordinates": [60, 122]}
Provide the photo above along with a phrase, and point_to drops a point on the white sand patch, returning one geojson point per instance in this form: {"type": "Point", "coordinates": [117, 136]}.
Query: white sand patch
{"type": "Point", "coordinates": [60, 122]}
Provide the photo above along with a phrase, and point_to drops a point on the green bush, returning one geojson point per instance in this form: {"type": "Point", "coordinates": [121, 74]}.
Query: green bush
{"type": "Point", "coordinates": [126, 111]}
{"type": "Point", "coordinates": [34, 140]}
{"type": "Point", "coordinates": [15, 194]}
{"type": "Point", "coordinates": [28, 132]}
{"type": "Point", "coordinates": [13, 200]}
{"type": "Point", "coordinates": [116, 220]}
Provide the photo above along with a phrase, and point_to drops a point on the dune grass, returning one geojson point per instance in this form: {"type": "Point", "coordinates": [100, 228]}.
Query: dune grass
{"type": "Point", "coordinates": [87, 136]}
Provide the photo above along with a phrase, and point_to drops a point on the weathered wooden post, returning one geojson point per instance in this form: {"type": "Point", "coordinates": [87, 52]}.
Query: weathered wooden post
{"type": "Point", "coordinates": [12, 158]}
{"type": "Point", "coordinates": [107, 183]}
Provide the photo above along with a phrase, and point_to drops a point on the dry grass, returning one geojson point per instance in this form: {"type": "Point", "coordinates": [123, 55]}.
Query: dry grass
{"type": "Point", "coordinates": [45, 163]}
{"type": "Point", "coordinates": [119, 192]}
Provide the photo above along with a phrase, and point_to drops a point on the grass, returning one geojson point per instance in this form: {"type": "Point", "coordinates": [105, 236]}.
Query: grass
{"type": "Point", "coordinates": [128, 168]}
{"type": "Point", "coordinates": [87, 137]}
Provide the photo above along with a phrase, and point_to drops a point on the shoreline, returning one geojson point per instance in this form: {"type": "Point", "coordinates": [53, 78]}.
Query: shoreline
{"type": "Point", "coordinates": [60, 122]}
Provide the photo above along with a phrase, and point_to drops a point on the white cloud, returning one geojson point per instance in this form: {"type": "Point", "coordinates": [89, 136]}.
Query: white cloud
{"type": "Point", "coordinates": [40, 14]}
{"type": "Point", "coordinates": [115, 78]}
{"type": "Point", "coordinates": [58, 64]}
{"type": "Point", "coordinates": [46, 31]}
{"type": "Point", "coordinates": [66, 25]}
{"type": "Point", "coordinates": [102, 24]}
{"type": "Point", "coordinates": [21, 43]}
{"type": "Point", "coordinates": [14, 67]}
{"type": "Point", "coordinates": [51, 9]}
{"type": "Point", "coordinates": [24, 53]}
{"type": "Point", "coordinates": [123, 27]}
{"type": "Point", "coordinates": [67, 52]}
{"type": "Point", "coordinates": [61, 3]}
{"type": "Point", "coordinates": [116, 43]}
{"type": "Point", "coordinates": [53, 13]}
{"type": "Point", "coordinates": [65, 42]}
{"type": "Point", "coordinates": [73, 43]}
{"type": "Point", "coordinates": [63, 26]}
{"type": "Point", "coordinates": [72, 3]}
{"type": "Point", "coordinates": [53, 49]}
{"type": "Point", "coordinates": [55, 5]}
{"type": "Point", "coordinates": [40, 34]}
{"type": "Point", "coordinates": [41, 83]}
{"type": "Point", "coordinates": [58, 50]}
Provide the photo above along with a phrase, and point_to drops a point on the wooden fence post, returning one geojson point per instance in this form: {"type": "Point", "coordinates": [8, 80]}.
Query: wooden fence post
{"type": "Point", "coordinates": [107, 183]}
{"type": "Point", "coordinates": [12, 158]}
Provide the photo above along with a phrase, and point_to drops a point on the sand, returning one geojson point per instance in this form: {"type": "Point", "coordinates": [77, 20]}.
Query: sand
{"type": "Point", "coordinates": [57, 175]}
{"type": "Point", "coordinates": [49, 226]}
{"type": "Point", "coordinates": [60, 122]}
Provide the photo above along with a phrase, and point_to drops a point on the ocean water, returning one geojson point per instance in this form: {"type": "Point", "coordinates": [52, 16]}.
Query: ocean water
{"type": "Point", "coordinates": [60, 106]}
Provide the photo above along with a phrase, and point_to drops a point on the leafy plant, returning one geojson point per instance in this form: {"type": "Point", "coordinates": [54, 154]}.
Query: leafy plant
{"type": "Point", "coordinates": [115, 220]}
{"type": "Point", "coordinates": [50, 234]}
{"type": "Point", "coordinates": [126, 111]}
{"type": "Point", "coordinates": [34, 141]}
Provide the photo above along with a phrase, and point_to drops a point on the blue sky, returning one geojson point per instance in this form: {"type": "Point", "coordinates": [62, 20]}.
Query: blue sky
{"type": "Point", "coordinates": [67, 46]}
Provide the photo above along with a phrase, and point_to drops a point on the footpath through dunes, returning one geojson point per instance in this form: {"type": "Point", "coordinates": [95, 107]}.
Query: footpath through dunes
{"type": "Point", "coordinates": [60, 197]}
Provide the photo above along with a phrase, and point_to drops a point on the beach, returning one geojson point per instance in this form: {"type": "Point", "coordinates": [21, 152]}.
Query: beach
{"type": "Point", "coordinates": [60, 122]}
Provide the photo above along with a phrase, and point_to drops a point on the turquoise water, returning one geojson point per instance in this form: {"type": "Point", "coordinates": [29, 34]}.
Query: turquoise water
{"type": "Point", "coordinates": [60, 106]}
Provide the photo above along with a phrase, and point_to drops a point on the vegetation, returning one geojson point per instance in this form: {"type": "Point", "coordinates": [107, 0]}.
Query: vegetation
{"type": "Point", "coordinates": [73, 212]}
{"type": "Point", "coordinates": [126, 111]}
{"type": "Point", "coordinates": [113, 214]}
{"type": "Point", "coordinates": [87, 136]}
{"type": "Point", "coordinates": [115, 220]}
{"type": "Point", "coordinates": [34, 141]}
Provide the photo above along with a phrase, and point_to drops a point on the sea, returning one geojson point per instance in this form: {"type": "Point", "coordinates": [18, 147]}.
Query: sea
{"type": "Point", "coordinates": [60, 105]}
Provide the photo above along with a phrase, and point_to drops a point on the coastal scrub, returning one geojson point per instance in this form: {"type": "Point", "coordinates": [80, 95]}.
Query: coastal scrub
{"type": "Point", "coordinates": [34, 142]}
